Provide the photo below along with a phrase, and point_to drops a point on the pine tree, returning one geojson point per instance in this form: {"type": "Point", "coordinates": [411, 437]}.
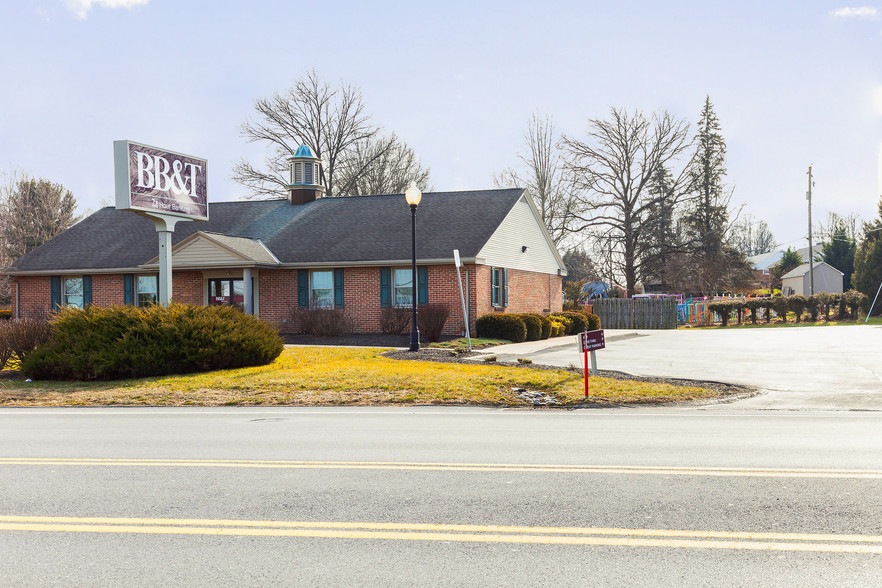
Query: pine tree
{"type": "Point", "coordinates": [708, 217]}
{"type": "Point", "coordinates": [661, 237]}
{"type": "Point", "coordinates": [868, 261]}
{"type": "Point", "coordinates": [839, 252]}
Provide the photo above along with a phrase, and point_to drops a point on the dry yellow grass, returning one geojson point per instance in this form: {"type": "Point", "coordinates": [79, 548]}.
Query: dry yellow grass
{"type": "Point", "coordinates": [335, 376]}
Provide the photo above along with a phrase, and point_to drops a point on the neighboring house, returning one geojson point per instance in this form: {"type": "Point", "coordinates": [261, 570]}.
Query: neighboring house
{"type": "Point", "coordinates": [797, 281]}
{"type": "Point", "coordinates": [350, 253]}
{"type": "Point", "coordinates": [762, 264]}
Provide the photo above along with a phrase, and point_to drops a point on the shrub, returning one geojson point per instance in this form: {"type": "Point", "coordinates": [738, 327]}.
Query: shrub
{"type": "Point", "coordinates": [431, 320]}
{"type": "Point", "coordinates": [322, 322]}
{"type": "Point", "coordinates": [593, 322]}
{"type": "Point", "coordinates": [501, 326]}
{"type": "Point", "coordinates": [825, 301]}
{"type": "Point", "coordinates": [855, 301]}
{"type": "Point", "coordinates": [753, 306]}
{"type": "Point", "coordinates": [779, 305]}
{"type": "Point", "coordinates": [128, 342]}
{"type": "Point", "coordinates": [20, 337]}
{"type": "Point", "coordinates": [739, 304]}
{"type": "Point", "coordinates": [568, 323]}
{"type": "Point", "coordinates": [722, 308]}
{"type": "Point", "coordinates": [796, 303]}
{"type": "Point", "coordinates": [546, 326]}
{"type": "Point", "coordinates": [534, 326]}
{"type": "Point", "coordinates": [394, 320]}
{"type": "Point", "coordinates": [578, 320]}
{"type": "Point", "coordinates": [558, 327]}
{"type": "Point", "coordinates": [813, 306]}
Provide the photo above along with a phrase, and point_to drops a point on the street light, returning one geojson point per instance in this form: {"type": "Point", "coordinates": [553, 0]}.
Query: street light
{"type": "Point", "coordinates": [413, 197]}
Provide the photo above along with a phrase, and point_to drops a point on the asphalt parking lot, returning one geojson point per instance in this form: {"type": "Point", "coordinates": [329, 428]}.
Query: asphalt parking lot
{"type": "Point", "coordinates": [797, 368]}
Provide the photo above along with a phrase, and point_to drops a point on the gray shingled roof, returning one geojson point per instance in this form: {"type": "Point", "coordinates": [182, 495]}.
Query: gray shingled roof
{"type": "Point", "coordinates": [351, 229]}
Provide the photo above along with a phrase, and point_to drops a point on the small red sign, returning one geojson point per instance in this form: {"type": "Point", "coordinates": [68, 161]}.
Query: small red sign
{"type": "Point", "coordinates": [592, 340]}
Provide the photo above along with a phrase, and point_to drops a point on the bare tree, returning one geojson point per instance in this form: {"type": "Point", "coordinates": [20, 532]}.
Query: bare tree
{"type": "Point", "coordinates": [380, 165]}
{"type": "Point", "coordinates": [751, 236]}
{"type": "Point", "coordinates": [330, 119]}
{"type": "Point", "coordinates": [614, 167]}
{"type": "Point", "coordinates": [32, 211]}
{"type": "Point", "coordinates": [545, 177]}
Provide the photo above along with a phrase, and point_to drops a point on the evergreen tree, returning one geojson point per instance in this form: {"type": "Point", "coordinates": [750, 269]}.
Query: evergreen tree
{"type": "Point", "coordinates": [839, 252]}
{"type": "Point", "coordinates": [661, 235]}
{"type": "Point", "coordinates": [868, 261]}
{"type": "Point", "coordinates": [707, 219]}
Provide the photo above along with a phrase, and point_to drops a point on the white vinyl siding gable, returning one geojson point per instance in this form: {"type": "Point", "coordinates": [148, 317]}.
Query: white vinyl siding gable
{"type": "Point", "coordinates": [203, 251]}
{"type": "Point", "coordinates": [519, 228]}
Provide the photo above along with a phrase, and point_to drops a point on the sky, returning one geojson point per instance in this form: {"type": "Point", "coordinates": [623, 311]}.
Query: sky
{"type": "Point", "coordinates": [793, 84]}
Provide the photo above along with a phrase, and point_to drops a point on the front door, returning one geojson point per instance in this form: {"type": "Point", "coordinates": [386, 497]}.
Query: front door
{"type": "Point", "coordinates": [226, 291]}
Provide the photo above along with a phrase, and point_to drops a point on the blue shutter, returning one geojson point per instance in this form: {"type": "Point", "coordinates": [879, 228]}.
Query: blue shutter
{"type": "Point", "coordinates": [303, 288]}
{"type": "Point", "coordinates": [128, 289]}
{"type": "Point", "coordinates": [494, 299]}
{"type": "Point", "coordinates": [87, 291]}
{"type": "Point", "coordinates": [385, 287]}
{"type": "Point", "coordinates": [338, 288]}
{"type": "Point", "coordinates": [55, 287]}
{"type": "Point", "coordinates": [422, 285]}
{"type": "Point", "coordinates": [505, 287]}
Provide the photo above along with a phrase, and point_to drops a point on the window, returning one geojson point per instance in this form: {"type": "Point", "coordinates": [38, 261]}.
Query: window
{"type": "Point", "coordinates": [73, 292]}
{"type": "Point", "coordinates": [402, 287]}
{"type": "Point", "coordinates": [148, 290]}
{"type": "Point", "coordinates": [227, 291]}
{"type": "Point", "coordinates": [498, 286]}
{"type": "Point", "coordinates": [321, 292]}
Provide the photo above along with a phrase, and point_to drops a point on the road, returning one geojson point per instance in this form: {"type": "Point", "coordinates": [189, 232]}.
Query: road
{"type": "Point", "coordinates": [440, 497]}
{"type": "Point", "coordinates": [797, 368]}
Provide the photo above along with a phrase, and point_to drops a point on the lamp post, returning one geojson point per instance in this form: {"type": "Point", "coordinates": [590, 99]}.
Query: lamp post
{"type": "Point", "coordinates": [413, 197]}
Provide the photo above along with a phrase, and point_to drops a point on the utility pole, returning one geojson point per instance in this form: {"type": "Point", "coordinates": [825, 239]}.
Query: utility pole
{"type": "Point", "coordinates": [808, 196]}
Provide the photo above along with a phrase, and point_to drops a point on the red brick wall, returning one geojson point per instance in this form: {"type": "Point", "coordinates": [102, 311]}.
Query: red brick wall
{"type": "Point", "coordinates": [527, 292]}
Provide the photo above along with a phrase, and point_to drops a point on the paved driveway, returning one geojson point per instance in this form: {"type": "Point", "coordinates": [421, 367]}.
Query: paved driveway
{"type": "Point", "coordinates": [807, 368]}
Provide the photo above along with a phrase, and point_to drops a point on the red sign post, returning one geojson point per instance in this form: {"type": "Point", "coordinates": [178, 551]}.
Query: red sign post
{"type": "Point", "coordinates": [591, 341]}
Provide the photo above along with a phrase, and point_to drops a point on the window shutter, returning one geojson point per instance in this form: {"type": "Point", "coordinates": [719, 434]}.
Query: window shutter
{"type": "Point", "coordinates": [338, 288]}
{"type": "Point", "coordinates": [505, 287]}
{"type": "Point", "coordinates": [494, 299]}
{"type": "Point", "coordinates": [303, 288]}
{"type": "Point", "coordinates": [422, 285]}
{"type": "Point", "coordinates": [128, 289]}
{"type": "Point", "coordinates": [55, 287]}
{"type": "Point", "coordinates": [385, 287]}
{"type": "Point", "coordinates": [87, 291]}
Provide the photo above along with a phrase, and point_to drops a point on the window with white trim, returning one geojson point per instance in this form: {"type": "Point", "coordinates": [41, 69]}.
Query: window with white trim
{"type": "Point", "coordinates": [402, 287]}
{"type": "Point", "coordinates": [146, 290]}
{"type": "Point", "coordinates": [321, 288]}
{"type": "Point", "coordinates": [72, 292]}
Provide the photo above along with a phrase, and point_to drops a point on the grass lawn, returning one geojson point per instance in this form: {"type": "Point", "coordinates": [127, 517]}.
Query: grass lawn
{"type": "Point", "coordinates": [304, 376]}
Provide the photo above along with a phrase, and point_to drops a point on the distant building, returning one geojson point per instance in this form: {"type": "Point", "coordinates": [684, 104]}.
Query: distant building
{"type": "Point", "coordinates": [797, 280]}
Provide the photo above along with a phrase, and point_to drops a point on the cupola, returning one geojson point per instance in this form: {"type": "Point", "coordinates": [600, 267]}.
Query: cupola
{"type": "Point", "coordinates": [305, 169]}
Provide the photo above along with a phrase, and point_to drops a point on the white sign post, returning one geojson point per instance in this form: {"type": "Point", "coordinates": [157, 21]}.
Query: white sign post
{"type": "Point", "coordinates": [164, 186]}
{"type": "Point", "coordinates": [465, 315]}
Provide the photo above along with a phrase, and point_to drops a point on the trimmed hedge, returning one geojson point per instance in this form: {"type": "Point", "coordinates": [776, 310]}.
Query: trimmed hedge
{"type": "Point", "coordinates": [593, 322]}
{"type": "Point", "coordinates": [534, 326]}
{"type": "Point", "coordinates": [129, 342]}
{"type": "Point", "coordinates": [501, 326]}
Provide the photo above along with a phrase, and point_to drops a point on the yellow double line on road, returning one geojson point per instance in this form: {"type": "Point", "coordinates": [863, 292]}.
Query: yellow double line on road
{"type": "Point", "coordinates": [584, 536]}
{"type": "Point", "coordinates": [450, 467]}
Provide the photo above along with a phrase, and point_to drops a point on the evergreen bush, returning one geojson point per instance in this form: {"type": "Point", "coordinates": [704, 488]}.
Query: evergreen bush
{"type": "Point", "coordinates": [813, 306]}
{"type": "Point", "coordinates": [534, 326]}
{"type": "Point", "coordinates": [593, 322]}
{"type": "Point", "coordinates": [128, 342]}
{"type": "Point", "coordinates": [578, 320]}
{"type": "Point", "coordinates": [501, 326]}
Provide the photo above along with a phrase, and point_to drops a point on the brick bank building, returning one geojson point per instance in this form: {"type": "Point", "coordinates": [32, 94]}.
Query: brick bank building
{"type": "Point", "coordinates": [349, 253]}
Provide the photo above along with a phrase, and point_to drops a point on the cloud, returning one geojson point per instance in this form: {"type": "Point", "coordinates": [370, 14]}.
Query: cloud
{"type": "Point", "coordinates": [861, 12]}
{"type": "Point", "coordinates": [81, 8]}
